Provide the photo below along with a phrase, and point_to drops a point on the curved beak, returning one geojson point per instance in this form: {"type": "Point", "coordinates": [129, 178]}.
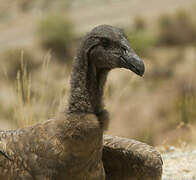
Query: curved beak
{"type": "Point", "coordinates": [133, 62]}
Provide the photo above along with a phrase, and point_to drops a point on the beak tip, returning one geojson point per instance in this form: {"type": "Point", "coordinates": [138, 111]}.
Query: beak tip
{"type": "Point", "coordinates": [140, 67]}
{"type": "Point", "coordinates": [134, 63]}
{"type": "Point", "coordinates": [142, 70]}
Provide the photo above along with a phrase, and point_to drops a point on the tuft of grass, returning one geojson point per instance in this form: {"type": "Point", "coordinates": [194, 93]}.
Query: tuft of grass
{"type": "Point", "coordinates": [186, 104]}
{"type": "Point", "coordinates": [56, 33]}
{"type": "Point", "coordinates": [179, 29]}
{"type": "Point", "coordinates": [36, 100]}
{"type": "Point", "coordinates": [11, 60]}
{"type": "Point", "coordinates": [24, 94]}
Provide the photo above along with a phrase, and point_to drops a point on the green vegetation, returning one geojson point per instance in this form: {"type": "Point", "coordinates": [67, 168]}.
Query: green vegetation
{"type": "Point", "coordinates": [140, 37]}
{"type": "Point", "coordinates": [179, 29]}
{"type": "Point", "coordinates": [173, 30]}
{"type": "Point", "coordinates": [142, 41]}
{"type": "Point", "coordinates": [56, 33]}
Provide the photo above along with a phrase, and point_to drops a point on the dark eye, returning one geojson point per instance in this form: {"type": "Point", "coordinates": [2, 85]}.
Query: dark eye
{"type": "Point", "coordinates": [105, 43]}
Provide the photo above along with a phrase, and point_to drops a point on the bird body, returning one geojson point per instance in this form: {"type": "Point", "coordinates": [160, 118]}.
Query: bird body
{"type": "Point", "coordinates": [72, 145]}
{"type": "Point", "coordinates": [61, 148]}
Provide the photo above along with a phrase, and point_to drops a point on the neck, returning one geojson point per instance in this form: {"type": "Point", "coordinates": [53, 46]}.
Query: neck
{"type": "Point", "coordinates": [87, 86]}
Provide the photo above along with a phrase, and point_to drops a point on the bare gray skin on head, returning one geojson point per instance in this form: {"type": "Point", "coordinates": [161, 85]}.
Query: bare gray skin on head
{"type": "Point", "coordinates": [72, 146]}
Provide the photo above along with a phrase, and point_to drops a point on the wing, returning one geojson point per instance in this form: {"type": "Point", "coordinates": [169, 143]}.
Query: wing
{"type": "Point", "coordinates": [18, 153]}
{"type": "Point", "coordinates": [127, 159]}
{"type": "Point", "coordinates": [24, 153]}
{"type": "Point", "coordinates": [5, 160]}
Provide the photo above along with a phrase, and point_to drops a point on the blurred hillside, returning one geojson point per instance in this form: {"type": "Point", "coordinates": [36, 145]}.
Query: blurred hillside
{"type": "Point", "coordinates": [38, 42]}
{"type": "Point", "coordinates": [18, 19]}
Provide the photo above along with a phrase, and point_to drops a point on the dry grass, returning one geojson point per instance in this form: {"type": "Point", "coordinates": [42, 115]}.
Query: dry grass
{"type": "Point", "coordinates": [152, 109]}
{"type": "Point", "coordinates": [35, 99]}
{"type": "Point", "coordinates": [142, 108]}
{"type": "Point", "coordinates": [179, 29]}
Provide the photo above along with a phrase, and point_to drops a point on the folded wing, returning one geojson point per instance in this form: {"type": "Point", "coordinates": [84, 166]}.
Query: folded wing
{"type": "Point", "coordinates": [127, 159]}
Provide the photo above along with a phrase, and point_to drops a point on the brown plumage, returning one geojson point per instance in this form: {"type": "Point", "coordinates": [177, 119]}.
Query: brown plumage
{"type": "Point", "coordinates": [72, 146]}
{"type": "Point", "coordinates": [128, 159]}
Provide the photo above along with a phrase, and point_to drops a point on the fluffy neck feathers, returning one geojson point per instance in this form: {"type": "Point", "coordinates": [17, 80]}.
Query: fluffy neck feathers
{"type": "Point", "coordinates": [87, 84]}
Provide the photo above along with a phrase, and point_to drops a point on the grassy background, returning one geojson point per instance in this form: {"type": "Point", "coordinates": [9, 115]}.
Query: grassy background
{"type": "Point", "coordinates": [158, 109]}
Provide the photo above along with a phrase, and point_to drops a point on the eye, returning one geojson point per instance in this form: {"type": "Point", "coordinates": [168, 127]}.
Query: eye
{"type": "Point", "coordinates": [105, 43]}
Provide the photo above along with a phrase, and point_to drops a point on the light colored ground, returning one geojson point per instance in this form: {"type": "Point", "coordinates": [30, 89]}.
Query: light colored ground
{"type": "Point", "coordinates": [179, 164]}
